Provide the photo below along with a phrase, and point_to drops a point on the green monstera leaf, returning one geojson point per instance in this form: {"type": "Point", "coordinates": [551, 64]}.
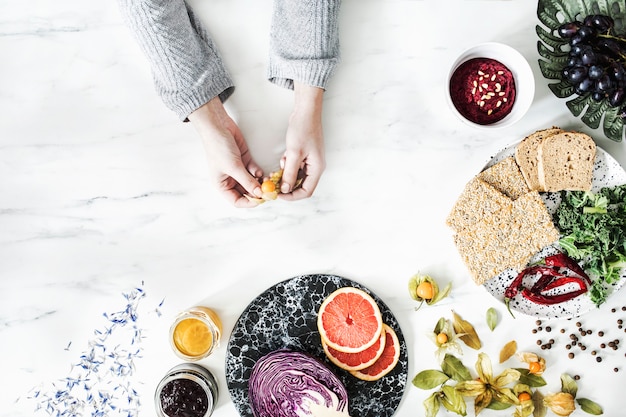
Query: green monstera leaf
{"type": "Point", "coordinates": [553, 51]}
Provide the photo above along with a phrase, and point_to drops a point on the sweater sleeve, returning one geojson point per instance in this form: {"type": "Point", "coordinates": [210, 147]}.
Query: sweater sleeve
{"type": "Point", "coordinates": [304, 42]}
{"type": "Point", "coordinates": [186, 66]}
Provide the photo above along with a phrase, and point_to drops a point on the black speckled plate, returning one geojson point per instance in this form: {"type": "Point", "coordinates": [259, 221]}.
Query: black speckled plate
{"type": "Point", "coordinates": [285, 316]}
{"type": "Point", "coordinates": [607, 172]}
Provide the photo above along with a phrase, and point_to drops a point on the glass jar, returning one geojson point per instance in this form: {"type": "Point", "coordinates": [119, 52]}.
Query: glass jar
{"type": "Point", "coordinates": [187, 389]}
{"type": "Point", "coordinates": [195, 333]}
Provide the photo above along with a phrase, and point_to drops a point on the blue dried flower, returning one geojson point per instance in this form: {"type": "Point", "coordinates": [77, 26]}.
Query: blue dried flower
{"type": "Point", "coordinates": [100, 384]}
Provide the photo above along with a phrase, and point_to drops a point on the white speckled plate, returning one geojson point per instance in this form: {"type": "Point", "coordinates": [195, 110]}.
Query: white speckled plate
{"type": "Point", "coordinates": [285, 316]}
{"type": "Point", "coordinates": [607, 172]}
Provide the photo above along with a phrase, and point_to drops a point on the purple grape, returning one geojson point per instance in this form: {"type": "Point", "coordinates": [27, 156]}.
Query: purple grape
{"type": "Point", "coordinates": [602, 23]}
{"type": "Point", "coordinates": [596, 62]}
{"type": "Point", "coordinates": [616, 71]}
{"type": "Point", "coordinates": [588, 57]}
{"type": "Point", "coordinates": [567, 30]}
{"type": "Point", "coordinates": [595, 72]}
{"type": "Point", "coordinates": [617, 97]}
{"type": "Point", "coordinates": [586, 32]}
{"type": "Point", "coordinates": [597, 96]}
{"type": "Point", "coordinates": [604, 84]}
{"type": "Point", "coordinates": [575, 74]}
{"type": "Point", "coordinates": [585, 86]}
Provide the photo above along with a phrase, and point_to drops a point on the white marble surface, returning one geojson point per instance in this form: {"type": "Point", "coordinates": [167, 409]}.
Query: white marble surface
{"type": "Point", "coordinates": [102, 189]}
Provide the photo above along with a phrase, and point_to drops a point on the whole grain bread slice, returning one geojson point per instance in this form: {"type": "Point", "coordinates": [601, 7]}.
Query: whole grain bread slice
{"type": "Point", "coordinates": [566, 162]}
{"type": "Point", "coordinates": [506, 239]}
{"type": "Point", "coordinates": [526, 156]}
{"type": "Point", "coordinates": [478, 199]}
{"type": "Point", "coordinates": [506, 177]}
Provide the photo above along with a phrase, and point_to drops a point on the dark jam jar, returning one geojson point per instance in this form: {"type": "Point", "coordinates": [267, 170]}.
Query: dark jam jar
{"type": "Point", "coordinates": [187, 390]}
{"type": "Point", "coordinates": [483, 90]}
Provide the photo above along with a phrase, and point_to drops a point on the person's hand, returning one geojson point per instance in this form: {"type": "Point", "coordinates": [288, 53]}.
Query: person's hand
{"type": "Point", "coordinates": [304, 152]}
{"type": "Point", "coordinates": [232, 167]}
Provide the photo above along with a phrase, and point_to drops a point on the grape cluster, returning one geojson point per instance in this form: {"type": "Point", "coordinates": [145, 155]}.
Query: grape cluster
{"type": "Point", "coordinates": [596, 59]}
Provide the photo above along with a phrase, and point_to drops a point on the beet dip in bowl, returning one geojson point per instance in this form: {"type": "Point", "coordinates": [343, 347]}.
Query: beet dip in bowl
{"type": "Point", "coordinates": [490, 85]}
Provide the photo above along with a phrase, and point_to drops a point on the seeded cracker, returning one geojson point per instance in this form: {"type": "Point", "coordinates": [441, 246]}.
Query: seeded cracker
{"type": "Point", "coordinates": [478, 200]}
{"type": "Point", "coordinates": [506, 239]}
{"type": "Point", "coordinates": [506, 177]}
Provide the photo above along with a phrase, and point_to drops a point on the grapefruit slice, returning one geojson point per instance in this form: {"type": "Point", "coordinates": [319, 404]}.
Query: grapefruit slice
{"type": "Point", "coordinates": [359, 360]}
{"type": "Point", "coordinates": [349, 320]}
{"type": "Point", "coordinates": [386, 362]}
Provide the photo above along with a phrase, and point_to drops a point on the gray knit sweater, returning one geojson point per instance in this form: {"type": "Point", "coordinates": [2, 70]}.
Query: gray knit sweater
{"type": "Point", "coordinates": [186, 65]}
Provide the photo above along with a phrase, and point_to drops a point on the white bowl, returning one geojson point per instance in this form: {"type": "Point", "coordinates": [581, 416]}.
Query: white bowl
{"type": "Point", "coordinates": [522, 74]}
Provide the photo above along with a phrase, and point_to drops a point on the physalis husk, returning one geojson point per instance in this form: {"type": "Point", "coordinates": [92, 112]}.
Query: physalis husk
{"type": "Point", "coordinates": [424, 289]}
{"type": "Point", "coordinates": [270, 187]}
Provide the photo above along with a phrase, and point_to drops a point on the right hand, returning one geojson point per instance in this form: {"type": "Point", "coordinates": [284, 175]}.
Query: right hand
{"type": "Point", "coordinates": [232, 167]}
{"type": "Point", "coordinates": [304, 155]}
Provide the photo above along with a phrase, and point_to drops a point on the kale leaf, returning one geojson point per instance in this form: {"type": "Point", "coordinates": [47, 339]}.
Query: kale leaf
{"type": "Point", "coordinates": [593, 231]}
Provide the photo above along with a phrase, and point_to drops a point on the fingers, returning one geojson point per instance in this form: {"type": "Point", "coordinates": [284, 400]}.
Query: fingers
{"type": "Point", "coordinates": [247, 173]}
{"type": "Point", "coordinates": [291, 167]}
{"type": "Point", "coordinates": [235, 194]}
{"type": "Point", "coordinates": [310, 171]}
{"type": "Point", "coordinates": [304, 191]}
{"type": "Point", "coordinates": [240, 201]}
{"type": "Point", "coordinates": [254, 169]}
{"type": "Point", "coordinates": [243, 202]}
{"type": "Point", "coordinates": [246, 157]}
{"type": "Point", "coordinates": [249, 183]}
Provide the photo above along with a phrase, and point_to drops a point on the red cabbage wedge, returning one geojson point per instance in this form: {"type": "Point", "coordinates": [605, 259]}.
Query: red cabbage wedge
{"type": "Point", "coordinates": [287, 383]}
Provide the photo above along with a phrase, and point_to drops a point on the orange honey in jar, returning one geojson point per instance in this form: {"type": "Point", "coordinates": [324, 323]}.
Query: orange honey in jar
{"type": "Point", "coordinates": [195, 333]}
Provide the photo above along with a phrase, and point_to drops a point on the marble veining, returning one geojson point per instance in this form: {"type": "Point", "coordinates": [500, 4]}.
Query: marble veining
{"type": "Point", "coordinates": [103, 190]}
